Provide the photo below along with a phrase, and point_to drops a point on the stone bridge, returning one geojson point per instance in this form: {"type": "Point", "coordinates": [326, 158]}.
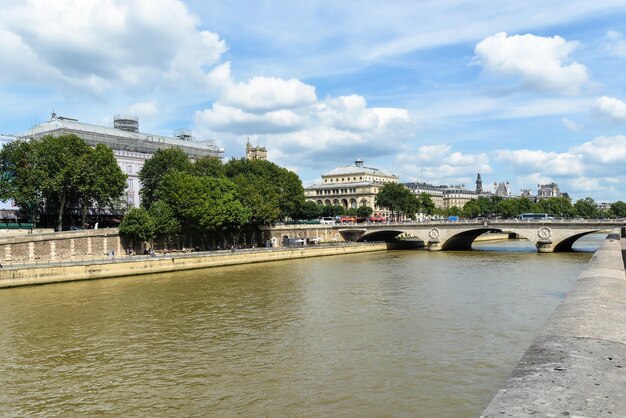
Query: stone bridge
{"type": "Point", "coordinates": [547, 236]}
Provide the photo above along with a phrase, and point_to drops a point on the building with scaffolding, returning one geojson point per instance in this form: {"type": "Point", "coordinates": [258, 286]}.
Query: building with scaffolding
{"type": "Point", "coordinates": [130, 147]}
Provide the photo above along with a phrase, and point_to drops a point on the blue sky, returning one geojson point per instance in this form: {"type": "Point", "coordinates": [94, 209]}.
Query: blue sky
{"type": "Point", "coordinates": [437, 91]}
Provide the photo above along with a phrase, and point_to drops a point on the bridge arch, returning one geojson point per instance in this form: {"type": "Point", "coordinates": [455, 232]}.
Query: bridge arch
{"type": "Point", "coordinates": [566, 243]}
{"type": "Point", "coordinates": [386, 235]}
{"type": "Point", "coordinates": [463, 240]}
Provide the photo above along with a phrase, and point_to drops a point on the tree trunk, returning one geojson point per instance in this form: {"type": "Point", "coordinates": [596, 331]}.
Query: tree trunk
{"type": "Point", "coordinates": [83, 222]}
{"type": "Point", "coordinates": [61, 210]}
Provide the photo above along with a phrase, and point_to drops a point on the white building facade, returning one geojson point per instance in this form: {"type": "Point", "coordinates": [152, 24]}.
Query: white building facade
{"type": "Point", "coordinates": [131, 148]}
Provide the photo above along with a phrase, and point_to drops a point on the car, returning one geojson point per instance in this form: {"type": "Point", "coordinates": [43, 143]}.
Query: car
{"type": "Point", "coordinates": [327, 220]}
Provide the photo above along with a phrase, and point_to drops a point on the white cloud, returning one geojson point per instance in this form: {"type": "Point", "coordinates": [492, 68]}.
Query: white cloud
{"type": "Point", "coordinates": [149, 108]}
{"type": "Point", "coordinates": [603, 150]}
{"type": "Point", "coordinates": [615, 44]}
{"type": "Point", "coordinates": [98, 46]}
{"type": "Point", "coordinates": [540, 62]}
{"type": "Point", "coordinates": [571, 125]}
{"type": "Point", "coordinates": [611, 107]}
{"type": "Point", "coordinates": [438, 164]}
{"type": "Point", "coordinates": [295, 124]}
{"type": "Point", "coordinates": [548, 163]}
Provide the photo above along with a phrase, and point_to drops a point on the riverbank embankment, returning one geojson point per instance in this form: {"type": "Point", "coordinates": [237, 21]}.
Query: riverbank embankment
{"type": "Point", "coordinates": [577, 364]}
{"type": "Point", "coordinates": [138, 265]}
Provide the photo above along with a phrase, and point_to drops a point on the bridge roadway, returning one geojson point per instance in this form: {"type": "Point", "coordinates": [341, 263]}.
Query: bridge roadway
{"type": "Point", "coordinates": [547, 236]}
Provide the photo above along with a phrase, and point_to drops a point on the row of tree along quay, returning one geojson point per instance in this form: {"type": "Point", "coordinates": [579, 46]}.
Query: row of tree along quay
{"type": "Point", "coordinates": [558, 207]}
{"type": "Point", "coordinates": [57, 181]}
{"type": "Point", "coordinates": [207, 204]}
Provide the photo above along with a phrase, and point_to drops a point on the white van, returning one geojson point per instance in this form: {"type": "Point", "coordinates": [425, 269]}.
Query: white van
{"type": "Point", "coordinates": [327, 220]}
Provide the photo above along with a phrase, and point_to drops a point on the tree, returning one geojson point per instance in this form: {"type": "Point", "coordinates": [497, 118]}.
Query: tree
{"type": "Point", "coordinates": [270, 192]}
{"type": "Point", "coordinates": [426, 204]}
{"type": "Point", "coordinates": [103, 182]}
{"type": "Point", "coordinates": [309, 210]}
{"type": "Point", "coordinates": [157, 166]}
{"type": "Point", "coordinates": [62, 159]}
{"type": "Point", "coordinates": [507, 208]}
{"type": "Point", "coordinates": [137, 226]}
{"type": "Point", "coordinates": [586, 208]}
{"type": "Point", "coordinates": [21, 177]}
{"type": "Point", "coordinates": [472, 209]}
{"type": "Point", "coordinates": [203, 203]}
{"type": "Point", "coordinates": [397, 199]}
{"type": "Point", "coordinates": [558, 206]}
{"type": "Point", "coordinates": [334, 210]}
{"type": "Point", "coordinates": [364, 212]}
{"type": "Point", "coordinates": [618, 209]}
{"type": "Point", "coordinates": [208, 167]}
{"type": "Point", "coordinates": [165, 223]}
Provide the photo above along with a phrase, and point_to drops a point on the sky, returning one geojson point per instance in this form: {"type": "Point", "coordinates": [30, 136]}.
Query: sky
{"type": "Point", "coordinates": [436, 91]}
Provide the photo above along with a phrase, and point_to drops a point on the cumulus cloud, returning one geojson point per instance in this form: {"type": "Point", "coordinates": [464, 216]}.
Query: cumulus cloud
{"type": "Point", "coordinates": [96, 46]}
{"type": "Point", "coordinates": [542, 63]}
{"type": "Point", "coordinates": [591, 167]}
{"type": "Point", "coordinates": [549, 163]}
{"type": "Point", "coordinates": [439, 164]}
{"type": "Point", "coordinates": [603, 150]}
{"type": "Point", "coordinates": [611, 107]}
{"type": "Point", "coordinates": [615, 44]}
{"type": "Point", "coordinates": [293, 121]}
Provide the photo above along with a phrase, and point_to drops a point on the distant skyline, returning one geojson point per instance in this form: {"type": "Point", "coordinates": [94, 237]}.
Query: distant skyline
{"type": "Point", "coordinates": [431, 91]}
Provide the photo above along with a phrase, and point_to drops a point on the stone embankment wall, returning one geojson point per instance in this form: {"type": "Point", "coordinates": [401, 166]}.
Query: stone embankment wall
{"type": "Point", "coordinates": [577, 365]}
{"type": "Point", "coordinates": [323, 232]}
{"type": "Point", "coordinates": [129, 266]}
{"type": "Point", "coordinates": [70, 245]}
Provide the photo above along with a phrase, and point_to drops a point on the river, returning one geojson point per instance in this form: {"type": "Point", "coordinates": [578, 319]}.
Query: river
{"type": "Point", "coordinates": [398, 333]}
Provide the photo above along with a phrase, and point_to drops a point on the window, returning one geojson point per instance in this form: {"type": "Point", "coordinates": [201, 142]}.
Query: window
{"type": "Point", "coordinates": [131, 199]}
{"type": "Point", "coordinates": [129, 169]}
{"type": "Point", "coordinates": [130, 183]}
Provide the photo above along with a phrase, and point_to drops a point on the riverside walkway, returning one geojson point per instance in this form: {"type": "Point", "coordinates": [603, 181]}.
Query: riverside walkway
{"type": "Point", "coordinates": [577, 364]}
{"type": "Point", "coordinates": [28, 273]}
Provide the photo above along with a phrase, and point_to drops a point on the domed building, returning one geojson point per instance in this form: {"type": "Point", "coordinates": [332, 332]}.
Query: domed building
{"type": "Point", "coordinates": [350, 186]}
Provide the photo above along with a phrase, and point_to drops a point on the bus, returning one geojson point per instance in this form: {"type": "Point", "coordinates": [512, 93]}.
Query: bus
{"type": "Point", "coordinates": [534, 217]}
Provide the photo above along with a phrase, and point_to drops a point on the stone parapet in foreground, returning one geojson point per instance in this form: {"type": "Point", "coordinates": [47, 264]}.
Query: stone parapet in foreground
{"type": "Point", "coordinates": [577, 365]}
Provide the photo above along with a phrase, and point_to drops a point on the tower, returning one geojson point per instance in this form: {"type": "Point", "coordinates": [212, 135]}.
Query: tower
{"type": "Point", "coordinates": [255, 153]}
{"type": "Point", "coordinates": [479, 184]}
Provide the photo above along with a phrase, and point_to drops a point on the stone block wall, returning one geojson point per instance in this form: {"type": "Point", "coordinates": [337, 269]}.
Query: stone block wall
{"type": "Point", "coordinates": [60, 246]}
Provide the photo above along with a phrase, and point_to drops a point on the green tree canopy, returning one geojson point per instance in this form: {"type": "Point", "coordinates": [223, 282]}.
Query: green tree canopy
{"type": "Point", "coordinates": [309, 210]}
{"type": "Point", "coordinates": [586, 208]}
{"type": "Point", "coordinates": [269, 192]}
{"type": "Point", "coordinates": [426, 204]}
{"type": "Point", "coordinates": [557, 206]}
{"type": "Point", "coordinates": [21, 176]}
{"type": "Point", "coordinates": [157, 166]}
{"type": "Point", "coordinates": [103, 182]}
{"type": "Point", "coordinates": [398, 200]}
{"type": "Point", "coordinates": [364, 211]}
{"type": "Point", "coordinates": [203, 203]}
{"type": "Point", "coordinates": [208, 167]}
{"type": "Point", "coordinates": [63, 161]}
{"type": "Point", "coordinates": [165, 223]}
{"type": "Point", "coordinates": [138, 226]}
{"type": "Point", "coordinates": [618, 209]}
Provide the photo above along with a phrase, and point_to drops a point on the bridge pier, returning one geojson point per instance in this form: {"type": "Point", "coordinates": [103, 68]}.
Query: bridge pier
{"type": "Point", "coordinates": [434, 245]}
{"type": "Point", "coordinates": [545, 246]}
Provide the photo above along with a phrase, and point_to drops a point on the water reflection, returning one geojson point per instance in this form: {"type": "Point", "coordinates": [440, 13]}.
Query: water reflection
{"type": "Point", "coordinates": [397, 333]}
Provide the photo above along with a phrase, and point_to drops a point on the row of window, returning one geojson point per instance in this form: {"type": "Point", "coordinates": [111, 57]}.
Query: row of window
{"type": "Point", "coordinates": [334, 191]}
